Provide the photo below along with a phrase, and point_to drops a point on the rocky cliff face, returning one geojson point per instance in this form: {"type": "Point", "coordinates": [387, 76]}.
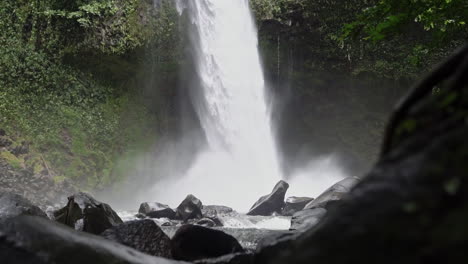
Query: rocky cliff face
{"type": "Point", "coordinates": [334, 97]}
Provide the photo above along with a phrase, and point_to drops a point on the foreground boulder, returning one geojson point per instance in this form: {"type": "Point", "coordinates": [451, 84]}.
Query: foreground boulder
{"type": "Point", "coordinates": [156, 210]}
{"type": "Point", "coordinates": [28, 239]}
{"type": "Point", "coordinates": [271, 203]}
{"type": "Point", "coordinates": [295, 204]}
{"type": "Point", "coordinates": [334, 193]}
{"type": "Point", "coordinates": [307, 218]}
{"type": "Point", "coordinates": [208, 222]}
{"type": "Point", "coordinates": [407, 201]}
{"type": "Point", "coordinates": [412, 207]}
{"type": "Point", "coordinates": [190, 208]}
{"type": "Point", "coordinates": [84, 213]}
{"type": "Point", "coordinates": [143, 235]}
{"type": "Point", "coordinates": [235, 258]}
{"type": "Point", "coordinates": [192, 242]}
{"type": "Point", "coordinates": [12, 205]}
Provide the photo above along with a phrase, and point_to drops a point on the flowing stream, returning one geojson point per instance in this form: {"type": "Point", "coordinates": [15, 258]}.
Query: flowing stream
{"type": "Point", "coordinates": [240, 162]}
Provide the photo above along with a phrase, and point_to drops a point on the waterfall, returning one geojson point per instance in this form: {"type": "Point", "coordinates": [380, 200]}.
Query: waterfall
{"type": "Point", "coordinates": [240, 162]}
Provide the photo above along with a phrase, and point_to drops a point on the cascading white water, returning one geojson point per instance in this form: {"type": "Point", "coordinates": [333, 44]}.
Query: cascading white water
{"type": "Point", "coordinates": [240, 163]}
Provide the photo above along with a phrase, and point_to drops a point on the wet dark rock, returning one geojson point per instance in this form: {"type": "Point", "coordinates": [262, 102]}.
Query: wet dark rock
{"type": "Point", "coordinates": [12, 205]}
{"type": "Point", "coordinates": [157, 210]}
{"type": "Point", "coordinates": [271, 203]}
{"type": "Point", "coordinates": [85, 213]}
{"type": "Point", "coordinates": [169, 223]}
{"type": "Point", "coordinates": [336, 192]}
{"type": "Point", "coordinates": [140, 216]}
{"type": "Point", "coordinates": [36, 240]}
{"type": "Point", "coordinates": [143, 235]}
{"type": "Point", "coordinates": [206, 222]}
{"type": "Point", "coordinates": [237, 258]}
{"type": "Point", "coordinates": [407, 201]}
{"type": "Point", "coordinates": [192, 242]}
{"type": "Point", "coordinates": [272, 239]}
{"type": "Point", "coordinates": [294, 204]}
{"type": "Point", "coordinates": [307, 218]}
{"type": "Point", "coordinates": [273, 245]}
{"type": "Point", "coordinates": [190, 208]}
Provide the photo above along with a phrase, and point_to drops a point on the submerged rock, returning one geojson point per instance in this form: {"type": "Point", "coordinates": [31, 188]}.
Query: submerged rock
{"type": "Point", "coordinates": [84, 213]}
{"type": "Point", "coordinates": [294, 204]}
{"type": "Point", "coordinates": [143, 235]}
{"type": "Point", "coordinates": [157, 210]}
{"type": "Point", "coordinates": [12, 205]}
{"type": "Point", "coordinates": [36, 240]}
{"type": "Point", "coordinates": [192, 242]}
{"type": "Point", "coordinates": [271, 203]}
{"type": "Point", "coordinates": [190, 208]}
{"type": "Point", "coordinates": [336, 192]}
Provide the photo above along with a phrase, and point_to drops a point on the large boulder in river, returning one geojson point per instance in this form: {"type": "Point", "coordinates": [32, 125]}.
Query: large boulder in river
{"type": "Point", "coordinates": [295, 204]}
{"type": "Point", "coordinates": [12, 205]}
{"type": "Point", "coordinates": [192, 242]}
{"type": "Point", "coordinates": [36, 240]}
{"type": "Point", "coordinates": [85, 213]}
{"type": "Point", "coordinates": [157, 210]}
{"type": "Point", "coordinates": [271, 203]}
{"type": "Point", "coordinates": [143, 235]}
{"type": "Point", "coordinates": [190, 208]}
{"type": "Point", "coordinates": [335, 192]}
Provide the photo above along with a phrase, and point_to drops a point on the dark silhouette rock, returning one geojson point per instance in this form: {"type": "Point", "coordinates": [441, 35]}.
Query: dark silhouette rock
{"type": "Point", "coordinates": [157, 210]}
{"type": "Point", "coordinates": [307, 218]}
{"type": "Point", "coordinates": [143, 235]}
{"type": "Point", "coordinates": [272, 239]}
{"type": "Point", "coordinates": [272, 203]}
{"type": "Point", "coordinates": [336, 192]}
{"type": "Point", "coordinates": [192, 242]}
{"type": "Point", "coordinates": [206, 222]}
{"type": "Point", "coordinates": [273, 245]}
{"type": "Point", "coordinates": [190, 208]}
{"type": "Point", "coordinates": [412, 207]}
{"type": "Point", "coordinates": [294, 204]}
{"type": "Point", "coordinates": [36, 240]}
{"type": "Point", "coordinates": [236, 258]}
{"type": "Point", "coordinates": [12, 205]}
{"type": "Point", "coordinates": [85, 213]}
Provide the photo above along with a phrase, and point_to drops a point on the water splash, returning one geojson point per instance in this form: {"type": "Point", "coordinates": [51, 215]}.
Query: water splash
{"type": "Point", "coordinates": [240, 162]}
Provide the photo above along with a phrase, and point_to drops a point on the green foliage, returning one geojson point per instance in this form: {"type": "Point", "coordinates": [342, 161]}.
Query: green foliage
{"type": "Point", "coordinates": [273, 9]}
{"type": "Point", "coordinates": [77, 119]}
{"type": "Point", "coordinates": [58, 27]}
{"type": "Point", "coordinates": [384, 18]}
{"type": "Point", "coordinates": [75, 122]}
